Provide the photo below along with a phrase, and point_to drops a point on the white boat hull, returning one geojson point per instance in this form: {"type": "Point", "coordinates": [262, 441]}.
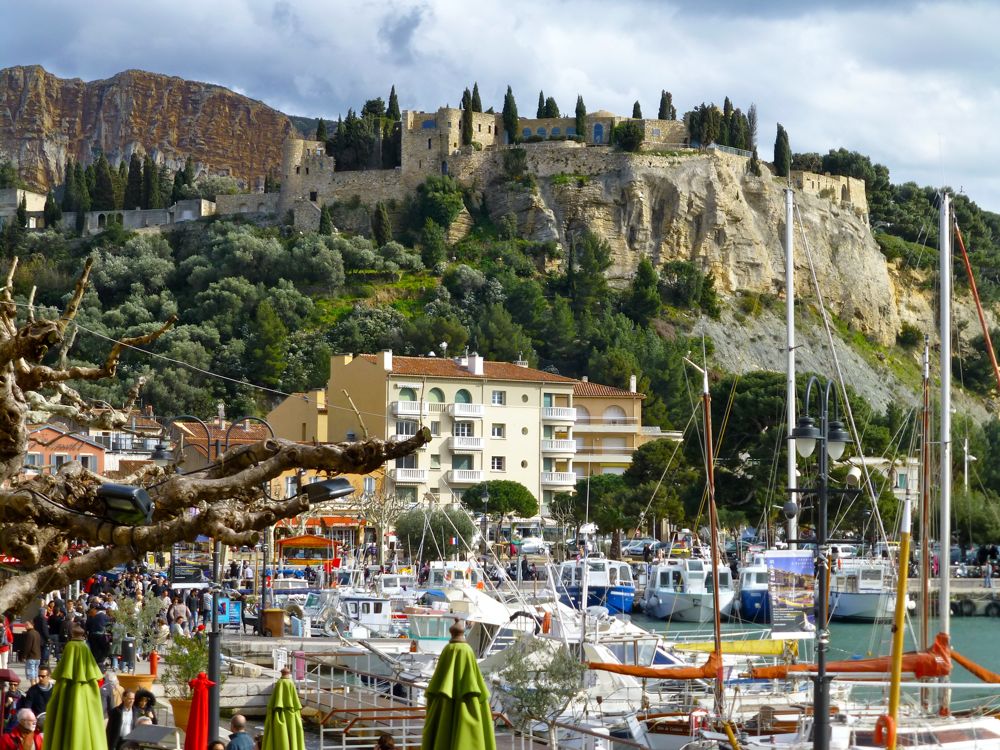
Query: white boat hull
{"type": "Point", "coordinates": [685, 607]}
{"type": "Point", "coordinates": [862, 607]}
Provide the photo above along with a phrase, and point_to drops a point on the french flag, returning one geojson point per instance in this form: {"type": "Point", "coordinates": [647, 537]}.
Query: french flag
{"type": "Point", "coordinates": [454, 541]}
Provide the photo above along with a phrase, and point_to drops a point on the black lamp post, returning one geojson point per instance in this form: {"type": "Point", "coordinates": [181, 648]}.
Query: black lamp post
{"type": "Point", "coordinates": [486, 520]}
{"type": "Point", "coordinates": [832, 439]}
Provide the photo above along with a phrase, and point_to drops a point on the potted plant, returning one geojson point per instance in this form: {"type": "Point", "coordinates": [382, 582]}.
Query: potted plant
{"type": "Point", "coordinates": [138, 621]}
{"type": "Point", "coordinates": [186, 657]}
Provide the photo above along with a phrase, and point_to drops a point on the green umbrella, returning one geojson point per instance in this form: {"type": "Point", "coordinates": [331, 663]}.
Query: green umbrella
{"type": "Point", "coordinates": [283, 725]}
{"type": "Point", "coordinates": [74, 719]}
{"type": "Point", "coordinates": [458, 703]}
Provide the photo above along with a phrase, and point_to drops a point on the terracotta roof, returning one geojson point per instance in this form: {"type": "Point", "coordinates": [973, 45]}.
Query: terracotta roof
{"type": "Point", "coordinates": [586, 388]}
{"type": "Point", "coordinates": [449, 368]}
{"type": "Point", "coordinates": [240, 434]}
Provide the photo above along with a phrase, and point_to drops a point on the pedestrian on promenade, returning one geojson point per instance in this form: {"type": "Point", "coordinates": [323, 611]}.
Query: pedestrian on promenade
{"type": "Point", "coordinates": [988, 574]}
{"type": "Point", "coordinates": [6, 640]}
{"type": "Point", "coordinates": [24, 735]}
{"type": "Point", "coordinates": [238, 737]}
{"type": "Point", "coordinates": [37, 697]}
{"type": "Point", "coordinates": [31, 652]}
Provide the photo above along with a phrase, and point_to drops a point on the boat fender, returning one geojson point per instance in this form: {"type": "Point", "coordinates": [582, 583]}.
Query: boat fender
{"type": "Point", "coordinates": [885, 731]}
{"type": "Point", "coordinates": [546, 622]}
{"type": "Point", "coordinates": [697, 719]}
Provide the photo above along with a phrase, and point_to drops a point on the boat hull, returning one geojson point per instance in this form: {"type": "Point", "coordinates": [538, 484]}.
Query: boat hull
{"type": "Point", "coordinates": [616, 599]}
{"type": "Point", "coordinates": [861, 607]}
{"type": "Point", "coordinates": [755, 606]}
{"type": "Point", "coordinates": [684, 607]}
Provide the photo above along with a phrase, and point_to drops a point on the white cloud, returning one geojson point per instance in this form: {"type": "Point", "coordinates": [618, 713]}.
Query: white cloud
{"type": "Point", "coordinates": [910, 84]}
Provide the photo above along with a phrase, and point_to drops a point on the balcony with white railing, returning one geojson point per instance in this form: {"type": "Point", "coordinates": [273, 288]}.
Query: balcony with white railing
{"type": "Point", "coordinates": [465, 476]}
{"type": "Point", "coordinates": [466, 411]}
{"type": "Point", "coordinates": [409, 476]}
{"type": "Point", "coordinates": [410, 408]}
{"type": "Point", "coordinates": [558, 478]}
{"type": "Point", "coordinates": [621, 425]}
{"type": "Point", "coordinates": [558, 414]}
{"type": "Point", "coordinates": [461, 443]}
{"type": "Point", "coordinates": [558, 446]}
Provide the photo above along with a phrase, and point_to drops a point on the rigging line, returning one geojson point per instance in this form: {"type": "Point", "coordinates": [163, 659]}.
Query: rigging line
{"type": "Point", "coordinates": [836, 361]}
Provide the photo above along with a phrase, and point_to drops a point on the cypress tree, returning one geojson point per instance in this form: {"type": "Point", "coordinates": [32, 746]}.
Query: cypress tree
{"type": "Point", "coordinates": [321, 130]}
{"type": "Point", "coordinates": [52, 212]}
{"type": "Point", "coordinates": [104, 195]}
{"type": "Point", "coordinates": [667, 109]}
{"type": "Point", "coordinates": [541, 106]}
{"type": "Point", "coordinates": [432, 244]}
{"type": "Point", "coordinates": [121, 179]}
{"type": "Point", "coordinates": [392, 112]}
{"type": "Point", "coordinates": [22, 212]}
{"type": "Point", "coordinates": [636, 111]}
{"type": "Point", "coordinates": [466, 118]}
{"type": "Point", "coordinates": [581, 117]}
{"type": "Point", "coordinates": [782, 153]}
{"type": "Point", "coordinates": [551, 108]}
{"type": "Point", "coordinates": [150, 183]}
{"type": "Point", "coordinates": [325, 220]}
{"type": "Point", "coordinates": [752, 126]}
{"type": "Point", "coordinates": [83, 195]}
{"type": "Point", "coordinates": [189, 173]}
{"type": "Point", "coordinates": [177, 190]}
{"type": "Point", "coordinates": [133, 185]}
{"type": "Point", "coordinates": [510, 117]}
{"type": "Point", "coordinates": [381, 226]}
{"type": "Point", "coordinates": [166, 187]}
{"type": "Point", "coordinates": [477, 103]}
{"type": "Point", "coordinates": [90, 175]}
{"type": "Point", "coordinates": [71, 198]}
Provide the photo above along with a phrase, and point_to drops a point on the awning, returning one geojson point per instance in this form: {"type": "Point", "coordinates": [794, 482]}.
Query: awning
{"type": "Point", "coordinates": [309, 541]}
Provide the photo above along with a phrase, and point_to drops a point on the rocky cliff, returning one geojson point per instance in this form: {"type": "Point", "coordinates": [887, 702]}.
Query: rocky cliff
{"type": "Point", "coordinates": [45, 120]}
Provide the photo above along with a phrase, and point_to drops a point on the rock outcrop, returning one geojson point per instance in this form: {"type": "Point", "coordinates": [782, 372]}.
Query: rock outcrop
{"type": "Point", "coordinates": [45, 120]}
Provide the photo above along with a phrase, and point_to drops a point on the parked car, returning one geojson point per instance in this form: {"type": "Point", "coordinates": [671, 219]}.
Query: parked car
{"type": "Point", "coordinates": [533, 545]}
{"type": "Point", "coordinates": [635, 547]}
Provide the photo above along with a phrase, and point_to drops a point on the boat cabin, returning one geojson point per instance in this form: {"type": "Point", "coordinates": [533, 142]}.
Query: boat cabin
{"type": "Point", "coordinates": [601, 572]}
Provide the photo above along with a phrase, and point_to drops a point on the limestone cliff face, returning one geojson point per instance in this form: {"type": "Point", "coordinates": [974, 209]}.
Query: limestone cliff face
{"type": "Point", "coordinates": [44, 120]}
{"type": "Point", "coordinates": [706, 209]}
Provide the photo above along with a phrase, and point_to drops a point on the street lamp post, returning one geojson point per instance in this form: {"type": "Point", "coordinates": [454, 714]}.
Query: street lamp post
{"type": "Point", "coordinates": [486, 520]}
{"type": "Point", "coordinates": [833, 440]}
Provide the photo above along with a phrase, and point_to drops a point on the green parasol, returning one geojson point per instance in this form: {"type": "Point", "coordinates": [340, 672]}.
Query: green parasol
{"type": "Point", "coordinates": [458, 703]}
{"type": "Point", "coordinates": [74, 719]}
{"type": "Point", "coordinates": [283, 725]}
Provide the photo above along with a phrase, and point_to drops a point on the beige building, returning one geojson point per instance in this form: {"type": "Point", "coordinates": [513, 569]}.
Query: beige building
{"type": "Point", "coordinates": [34, 204]}
{"type": "Point", "coordinates": [609, 428]}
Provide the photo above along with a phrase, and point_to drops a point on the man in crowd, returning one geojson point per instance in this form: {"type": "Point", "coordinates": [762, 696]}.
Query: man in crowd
{"type": "Point", "coordinates": [238, 738]}
{"type": "Point", "coordinates": [121, 720]}
{"type": "Point", "coordinates": [24, 735]}
{"type": "Point", "coordinates": [37, 697]}
{"type": "Point", "coordinates": [31, 651]}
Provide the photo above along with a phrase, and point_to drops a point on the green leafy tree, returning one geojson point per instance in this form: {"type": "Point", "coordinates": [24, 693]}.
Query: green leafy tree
{"type": "Point", "coordinates": [90, 175]}
{"type": "Point", "coordinates": [642, 301]}
{"type": "Point", "coordinates": [268, 352]}
{"type": "Point", "coordinates": [104, 197]}
{"type": "Point", "coordinates": [510, 119]}
{"type": "Point", "coordinates": [589, 258]}
{"type": "Point", "coordinates": [636, 111]}
{"type": "Point", "coordinates": [628, 135]}
{"type": "Point", "coordinates": [271, 184]}
{"type": "Point", "coordinates": [167, 185]}
{"type": "Point", "coordinates": [353, 141]}
{"type": "Point", "coordinates": [541, 106]}
{"type": "Point", "coordinates": [506, 497]}
{"type": "Point", "coordinates": [392, 112]}
{"type": "Point", "coordinates": [133, 184]}
{"type": "Point", "coordinates": [477, 103]}
{"type": "Point", "coordinates": [325, 221]}
{"type": "Point", "coordinates": [321, 134]}
{"type": "Point", "coordinates": [21, 215]}
{"type": "Point", "coordinates": [782, 153]}
{"type": "Point", "coordinates": [427, 534]}
{"type": "Point", "coordinates": [667, 109]}
{"type": "Point", "coordinates": [500, 338]}
{"type": "Point", "coordinates": [381, 225]}
{"type": "Point", "coordinates": [438, 198]}
{"type": "Point", "coordinates": [604, 495]}
{"type": "Point", "coordinates": [8, 175]}
{"type": "Point", "coordinates": [70, 199]}
{"type": "Point", "coordinates": [150, 184]}
{"type": "Point", "coordinates": [433, 244]}
{"type": "Point", "coordinates": [808, 162]}
{"type": "Point", "coordinates": [551, 108]}
{"type": "Point", "coordinates": [189, 172]}
{"type": "Point", "coordinates": [581, 117]}
{"type": "Point", "coordinates": [52, 212]}
{"type": "Point", "coordinates": [373, 108]}
{"type": "Point", "coordinates": [466, 118]}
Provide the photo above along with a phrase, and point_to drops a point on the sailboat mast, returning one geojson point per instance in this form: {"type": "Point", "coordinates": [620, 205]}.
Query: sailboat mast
{"type": "Point", "coordinates": [925, 504]}
{"type": "Point", "coordinates": [944, 597]}
{"type": "Point", "coordinates": [713, 522]}
{"type": "Point", "coordinates": [793, 522]}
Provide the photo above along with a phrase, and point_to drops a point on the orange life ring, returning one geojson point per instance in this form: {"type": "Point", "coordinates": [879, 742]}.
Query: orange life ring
{"type": "Point", "coordinates": [885, 731]}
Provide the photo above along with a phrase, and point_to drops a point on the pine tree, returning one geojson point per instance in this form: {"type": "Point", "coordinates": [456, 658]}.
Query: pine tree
{"type": "Point", "coordinates": [71, 198]}
{"type": "Point", "coordinates": [150, 183]}
{"type": "Point", "coordinates": [22, 212]}
{"type": "Point", "coordinates": [321, 130]}
{"type": "Point", "coordinates": [466, 118]}
{"type": "Point", "coordinates": [667, 109]}
{"type": "Point", "coordinates": [83, 195]}
{"type": "Point", "coordinates": [189, 172]}
{"type": "Point", "coordinates": [581, 117]}
{"type": "Point", "coordinates": [510, 119]}
{"type": "Point", "coordinates": [392, 112]}
{"type": "Point", "coordinates": [636, 111]}
{"type": "Point", "coordinates": [551, 108]}
{"type": "Point", "coordinates": [541, 106]}
{"type": "Point", "coordinates": [166, 187]}
{"type": "Point", "coordinates": [325, 221]}
{"type": "Point", "coordinates": [177, 189]}
{"type": "Point", "coordinates": [121, 179]}
{"type": "Point", "coordinates": [90, 175]}
{"type": "Point", "coordinates": [782, 153]}
{"type": "Point", "coordinates": [432, 244]}
{"type": "Point", "coordinates": [133, 185]}
{"type": "Point", "coordinates": [477, 103]}
{"type": "Point", "coordinates": [642, 301]}
{"type": "Point", "coordinates": [104, 195]}
{"type": "Point", "coordinates": [52, 212]}
{"type": "Point", "coordinates": [381, 225]}
{"type": "Point", "coordinates": [269, 347]}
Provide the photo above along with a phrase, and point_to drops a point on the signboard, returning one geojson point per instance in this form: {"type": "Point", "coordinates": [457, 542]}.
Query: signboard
{"type": "Point", "coordinates": [225, 610]}
{"type": "Point", "coordinates": [182, 573]}
{"type": "Point", "coordinates": [236, 613]}
{"type": "Point", "coordinates": [280, 657]}
{"type": "Point", "coordinates": [791, 586]}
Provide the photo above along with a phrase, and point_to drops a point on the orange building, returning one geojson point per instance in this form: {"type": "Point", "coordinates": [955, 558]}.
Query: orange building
{"type": "Point", "coordinates": [50, 447]}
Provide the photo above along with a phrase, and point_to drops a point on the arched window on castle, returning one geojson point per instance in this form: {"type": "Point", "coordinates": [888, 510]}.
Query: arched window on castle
{"type": "Point", "coordinates": [555, 131]}
{"type": "Point", "coordinates": [540, 131]}
{"type": "Point", "coordinates": [526, 132]}
{"type": "Point", "coordinates": [298, 170]}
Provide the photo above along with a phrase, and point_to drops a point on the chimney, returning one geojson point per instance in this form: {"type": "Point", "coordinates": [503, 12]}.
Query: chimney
{"type": "Point", "coordinates": [631, 383]}
{"type": "Point", "coordinates": [221, 415]}
{"type": "Point", "coordinates": [387, 360]}
{"type": "Point", "coordinates": [585, 378]}
{"type": "Point", "coordinates": [475, 365]}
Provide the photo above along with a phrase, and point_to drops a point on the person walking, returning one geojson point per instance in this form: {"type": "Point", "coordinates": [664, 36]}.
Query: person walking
{"type": "Point", "coordinates": [6, 641]}
{"type": "Point", "coordinates": [121, 720]}
{"type": "Point", "coordinates": [24, 735]}
{"type": "Point", "coordinates": [238, 737]}
{"type": "Point", "coordinates": [988, 574]}
{"type": "Point", "coordinates": [31, 652]}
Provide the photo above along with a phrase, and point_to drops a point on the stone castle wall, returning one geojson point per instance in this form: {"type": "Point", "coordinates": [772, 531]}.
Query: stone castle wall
{"type": "Point", "coordinates": [846, 190]}
{"type": "Point", "coordinates": [248, 203]}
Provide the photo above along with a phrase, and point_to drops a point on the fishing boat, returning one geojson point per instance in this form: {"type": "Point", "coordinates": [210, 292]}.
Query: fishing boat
{"type": "Point", "coordinates": [754, 602]}
{"type": "Point", "coordinates": [609, 584]}
{"type": "Point", "coordinates": [681, 589]}
{"type": "Point", "coordinates": [862, 590]}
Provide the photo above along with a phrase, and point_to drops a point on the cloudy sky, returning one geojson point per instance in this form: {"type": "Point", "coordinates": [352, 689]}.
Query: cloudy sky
{"type": "Point", "coordinates": [912, 84]}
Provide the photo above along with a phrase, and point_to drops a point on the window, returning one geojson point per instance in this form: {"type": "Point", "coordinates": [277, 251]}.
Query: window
{"type": "Point", "coordinates": [656, 132]}
{"type": "Point", "coordinates": [555, 131]}
{"type": "Point", "coordinates": [406, 427]}
{"type": "Point", "coordinates": [540, 131]}
{"type": "Point", "coordinates": [435, 429]}
{"type": "Point", "coordinates": [526, 132]}
{"type": "Point", "coordinates": [499, 398]}
{"type": "Point", "coordinates": [435, 396]}
{"type": "Point", "coordinates": [33, 459]}
{"type": "Point", "coordinates": [900, 481]}
{"type": "Point", "coordinates": [461, 462]}
{"type": "Point", "coordinates": [571, 130]}
{"type": "Point", "coordinates": [498, 431]}
{"type": "Point", "coordinates": [369, 485]}
{"type": "Point", "coordinates": [313, 196]}
{"type": "Point", "coordinates": [59, 459]}
{"type": "Point", "coordinates": [407, 462]}
{"type": "Point", "coordinates": [430, 143]}
{"type": "Point", "coordinates": [462, 429]}
{"type": "Point", "coordinates": [479, 128]}
{"type": "Point", "coordinates": [298, 170]}
{"type": "Point", "coordinates": [88, 461]}
{"type": "Point", "coordinates": [291, 486]}
{"type": "Point", "coordinates": [463, 397]}
{"type": "Point", "coordinates": [436, 461]}
{"type": "Point", "coordinates": [498, 463]}
{"type": "Point", "coordinates": [407, 394]}
{"type": "Point", "coordinates": [407, 494]}
{"type": "Point", "coordinates": [307, 170]}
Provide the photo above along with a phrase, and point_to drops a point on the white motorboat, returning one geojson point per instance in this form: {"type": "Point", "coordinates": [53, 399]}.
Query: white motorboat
{"type": "Point", "coordinates": [862, 590]}
{"type": "Point", "coordinates": [681, 589]}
